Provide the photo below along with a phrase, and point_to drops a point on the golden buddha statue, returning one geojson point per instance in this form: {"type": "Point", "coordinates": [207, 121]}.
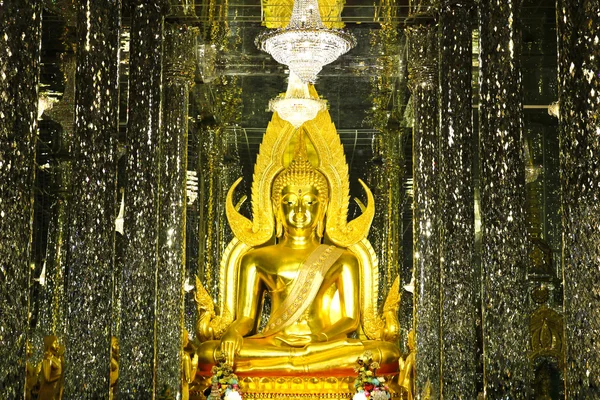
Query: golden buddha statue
{"type": "Point", "coordinates": [318, 270]}
{"type": "Point", "coordinates": [51, 370]}
{"type": "Point", "coordinates": [114, 365]}
{"type": "Point", "coordinates": [31, 377]}
{"type": "Point", "coordinates": [407, 369]}
{"type": "Point", "coordinates": [190, 365]}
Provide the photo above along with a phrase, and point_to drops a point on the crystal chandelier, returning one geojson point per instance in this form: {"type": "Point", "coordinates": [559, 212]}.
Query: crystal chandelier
{"type": "Point", "coordinates": [297, 106]}
{"type": "Point", "coordinates": [305, 45]}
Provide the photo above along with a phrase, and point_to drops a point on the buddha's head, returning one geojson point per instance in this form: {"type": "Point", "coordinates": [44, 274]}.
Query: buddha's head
{"type": "Point", "coordinates": [114, 346]}
{"type": "Point", "coordinates": [186, 338]}
{"type": "Point", "coordinates": [51, 344]}
{"type": "Point", "coordinates": [300, 194]}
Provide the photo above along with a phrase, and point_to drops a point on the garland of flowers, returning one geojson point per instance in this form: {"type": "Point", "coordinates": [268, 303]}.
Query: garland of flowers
{"type": "Point", "coordinates": [224, 381]}
{"type": "Point", "coordinates": [367, 384]}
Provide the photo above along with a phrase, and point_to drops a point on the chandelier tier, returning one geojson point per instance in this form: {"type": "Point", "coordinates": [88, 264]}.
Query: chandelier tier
{"type": "Point", "coordinates": [305, 45]}
{"type": "Point", "coordinates": [297, 106]}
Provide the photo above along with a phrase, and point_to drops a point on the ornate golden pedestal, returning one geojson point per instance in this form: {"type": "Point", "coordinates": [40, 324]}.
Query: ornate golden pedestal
{"type": "Point", "coordinates": [296, 387]}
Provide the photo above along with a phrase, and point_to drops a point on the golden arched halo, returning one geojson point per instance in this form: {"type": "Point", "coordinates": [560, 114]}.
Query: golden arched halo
{"type": "Point", "coordinates": [332, 164]}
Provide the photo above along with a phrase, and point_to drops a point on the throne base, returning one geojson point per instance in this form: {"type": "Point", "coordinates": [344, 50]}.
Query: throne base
{"type": "Point", "coordinates": [296, 387]}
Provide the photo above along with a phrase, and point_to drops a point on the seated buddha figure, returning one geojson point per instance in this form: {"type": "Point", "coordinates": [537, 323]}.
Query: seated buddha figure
{"type": "Point", "coordinates": [315, 325]}
{"type": "Point", "coordinates": [51, 370]}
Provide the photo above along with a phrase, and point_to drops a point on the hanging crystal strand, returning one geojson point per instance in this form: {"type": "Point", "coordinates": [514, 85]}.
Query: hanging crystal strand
{"type": "Point", "coordinates": [20, 37]}
{"type": "Point", "coordinates": [178, 75]}
{"type": "Point", "coordinates": [579, 99]}
{"type": "Point", "coordinates": [208, 170]}
{"type": "Point", "coordinates": [48, 303]}
{"type": "Point", "coordinates": [232, 170]}
{"type": "Point", "coordinates": [376, 180]}
{"type": "Point", "coordinates": [403, 200]}
{"type": "Point", "coordinates": [422, 8]}
{"type": "Point", "coordinates": [50, 300]}
{"type": "Point", "coordinates": [458, 284]}
{"type": "Point", "coordinates": [214, 172]}
{"type": "Point", "coordinates": [503, 254]}
{"type": "Point", "coordinates": [64, 113]}
{"type": "Point", "coordinates": [387, 48]}
{"type": "Point", "coordinates": [423, 82]}
{"type": "Point", "coordinates": [137, 345]}
{"type": "Point", "coordinates": [305, 15]}
{"type": "Point", "coordinates": [90, 258]}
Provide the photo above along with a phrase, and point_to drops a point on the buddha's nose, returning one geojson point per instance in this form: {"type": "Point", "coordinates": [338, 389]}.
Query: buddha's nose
{"type": "Point", "coordinates": [299, 213]}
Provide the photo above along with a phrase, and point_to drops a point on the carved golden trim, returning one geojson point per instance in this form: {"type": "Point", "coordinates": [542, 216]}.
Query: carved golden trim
{"type": "Point", "coordinates": [296, 387]}
{"type": "Point", "coordinates": [277, 13]}
{"type": "Point", "coordinates": [546, 329]}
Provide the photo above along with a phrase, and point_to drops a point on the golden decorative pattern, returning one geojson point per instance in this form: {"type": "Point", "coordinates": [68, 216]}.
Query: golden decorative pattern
{"type": "Point", "coordinates": [305, 388]}
{"type": "Point", "coordinates": [546, 330]}
{"type": "Point", "coordinates": [209, 325]}
{"type": "Point", "coordinates": [277, 13]}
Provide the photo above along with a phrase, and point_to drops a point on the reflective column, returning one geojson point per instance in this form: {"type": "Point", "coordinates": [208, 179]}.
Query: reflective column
{"type": "Point", "coordinates": [64, 113]}
{"type": "Point", "coordinates": [502, 170]}
{"type": "Point", "coordinates": [211, 149]}
{"type": "Point", "coordinates": [458, 304]}
{"type": "Point", "coordinates": [93, 208]}
{"type": "Point", "coordinates": [20, 36]}
{"type": "Point", "coordinates": [423, 83]}
{"type": "Point", "coordinates": [178, 75]}
{"type": "Point", "coordinates": [579, 99]}
{"type": "Point", "coordinates": [139, 286]}
{"type": "Point", "coordinates": [385, 173]}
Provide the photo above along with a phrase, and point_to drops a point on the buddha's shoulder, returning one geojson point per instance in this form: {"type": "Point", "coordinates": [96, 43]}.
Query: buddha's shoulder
{"type": "Point", "coordinates": [260, 254]}
{"type": "Point", "coordinates": [275, 254]}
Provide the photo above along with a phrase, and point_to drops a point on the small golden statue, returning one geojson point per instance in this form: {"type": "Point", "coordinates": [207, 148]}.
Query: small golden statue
{"type": "Point", "coordinates": [51, 370]}
{"type": "Point", "coordinates": [319, 270]}
{"type": "Point", "coordinates": [31, 379]}
{"type": "Point", "coordinates": [190, 365]}
{"type": "Point", "coordinates": [407, 369]}
{"type": "Point", "coordinates": [114, 364]}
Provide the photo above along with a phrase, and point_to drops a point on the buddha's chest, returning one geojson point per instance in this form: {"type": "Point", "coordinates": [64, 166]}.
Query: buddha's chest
{"type": "Point", "coordinates": [281, 280]}
{"type": "Point", "coordinates": [280, 271]}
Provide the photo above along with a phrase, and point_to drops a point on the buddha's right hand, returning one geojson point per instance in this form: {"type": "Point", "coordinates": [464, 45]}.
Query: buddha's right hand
{"type": "Point", "coordinates": [231, 343]}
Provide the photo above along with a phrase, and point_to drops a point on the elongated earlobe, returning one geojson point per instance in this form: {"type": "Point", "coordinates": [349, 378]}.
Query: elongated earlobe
{"type": "Point", "coordinates": [321, 223]}
{"type": "Point", "coordinates": [278, 227]}
{"type": "Point", "coordinates": [320, 229]}
{"type": "Point", "coordinates": [278, 224]}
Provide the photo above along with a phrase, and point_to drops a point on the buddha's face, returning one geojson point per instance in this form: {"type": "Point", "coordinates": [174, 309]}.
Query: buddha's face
{"type": "Point", "coordinates": [300, 208]}
{"type": "Point", "coordinates": [114, 342]}
{"type": "Point", "coordinates": [53, 347]}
